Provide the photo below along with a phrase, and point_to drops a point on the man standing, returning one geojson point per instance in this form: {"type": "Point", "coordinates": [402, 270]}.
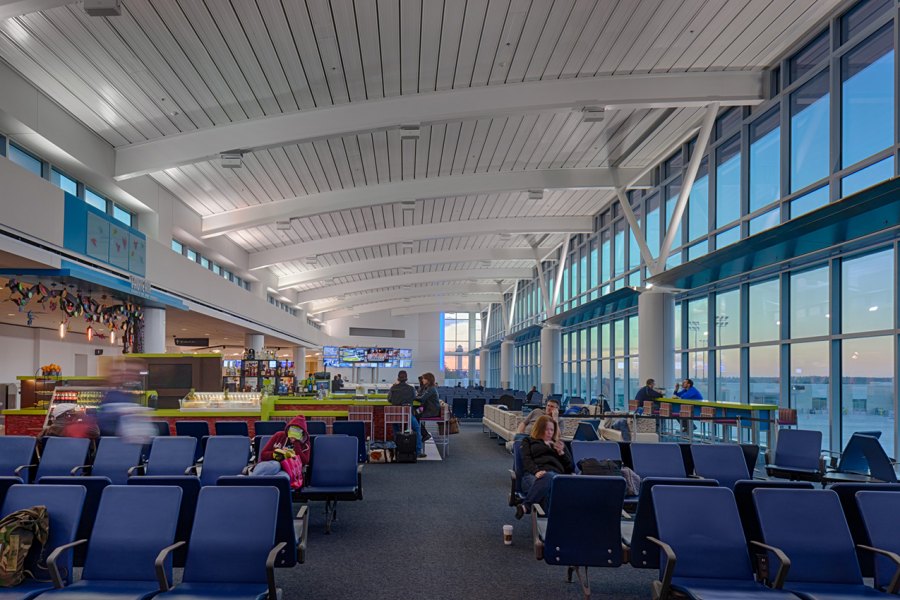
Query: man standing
{"type": "Point", "coordinates": [337, 384]}
{"type": "Point", "coordinates": [688, 391]}
{"type": "Point", "coordinates": [648, 392]}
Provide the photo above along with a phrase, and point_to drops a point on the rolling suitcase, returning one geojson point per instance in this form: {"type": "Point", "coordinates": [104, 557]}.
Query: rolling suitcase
{"type": "Point", "coordinates": [406, 447]}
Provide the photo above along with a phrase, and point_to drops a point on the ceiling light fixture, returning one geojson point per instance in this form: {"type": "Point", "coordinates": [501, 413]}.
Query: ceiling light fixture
{"type": "Point", "coordinates": [592, 114]}
{"type": "Point", "coordinates": [62, 329]}
{"type": "Point", "coordinates": [535, 194]}
{"type": "Point", "coordinates": [103, 8]}
{"type": "Point", "coordinates": [282, 225]}
{"type": "Point", "coordinates": [409, 131]}
{"type": "Point", "coordinates": [232, 159]}
{"type": "Point", "coordinates": [112, 336]}
{"type": "Point", "coordinates": [89, 333]}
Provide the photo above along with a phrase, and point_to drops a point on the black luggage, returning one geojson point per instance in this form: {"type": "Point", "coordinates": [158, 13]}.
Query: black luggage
{"type": "Point", "coordinates": [406, 447]}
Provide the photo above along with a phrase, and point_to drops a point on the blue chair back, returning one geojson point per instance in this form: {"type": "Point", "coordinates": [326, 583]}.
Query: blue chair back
{"type": "Point", "coordinates": [878, 463]}
{"type": "Point", "coordinates": [334, 461]}
{"type": "Point", "coordinates": [476, 408]}
{"type": "Point", "coordinates": [133, 524]}
{"type": "Point", "coordinates": [61, 455]}
{"type": "Point", "coordinates": [657, 460]}
{"type": "Point", "coordinates": [316, 428]}
{"type": "Point", "coordinates": [798, 448]}
{"type": "Point", "coordinates": [225, 455]}
{"type": "Point", "coordinates": [599, 450]}
{"type": "Point", "coordinates": [268, 427]}
{"type": "Point", "coordinates": [586, 432]}
{"type": "Point", "coordinates": [229, 542]}
{"type": "Point", "coordinates": [518, 466]}
{"type": "Point", "coordinates": [6, 483]}
{"type": "Point", "coordinates": [853, 459]}
{"type": "Point", "coordinates": [64, 507]}
{"type": "Point", "coordinates": [259, 442]}
{"type": "Point", "coordinates": [583, 521]}
{"type": "Point", "coordinates": [879, 510]}
{"type": "Point", "coordinates": [723, 462]}
{"type": "Point", "coordinates": [94, 487]}
{"type": "Point", "coordinates": [847, 494]}
{"type": "Point", "coordinates": [284, 527]}
{"type": "Point", "coordinates": [355, 429]}
{"type": "Point", "coordinates": [809, 526]}
{"type": "Point", "coordinates": [198, 430]}
{"type": "Point", "coordinates": [171, 455]}
{"type": "Point", "coordinates": [15, 451]}
{"type": "Point", "coordinates": [162, 427]}
{"type": "Point", "coordinates": [114, 458]}
{"type": "Point", "coordinates": [703, 527]}
{"type": "Point", "coordinates": [232, 428]}
{"type": "Point", "coordinates": [460, 407]}
{"type": "Point", "coordinates": [190, 491]}
{"type": "Point", "coordinates": [645, 555]}
{"type": "Point", "coordinates": [743, 495]}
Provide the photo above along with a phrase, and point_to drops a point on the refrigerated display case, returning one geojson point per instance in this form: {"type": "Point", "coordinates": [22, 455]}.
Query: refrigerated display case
{"type": "Point", "coordinates": [221, 401]}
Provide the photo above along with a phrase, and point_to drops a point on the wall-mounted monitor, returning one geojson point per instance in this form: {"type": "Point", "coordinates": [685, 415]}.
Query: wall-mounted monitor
{"type": "Point", "coordinates": [375, 356]}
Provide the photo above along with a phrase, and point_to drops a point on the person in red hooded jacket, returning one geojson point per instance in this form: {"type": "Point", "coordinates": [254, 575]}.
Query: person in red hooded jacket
{"type": "Point", "coordinates": [286, 452]}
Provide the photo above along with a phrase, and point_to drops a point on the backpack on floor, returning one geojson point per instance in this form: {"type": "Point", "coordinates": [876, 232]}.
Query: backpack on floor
{"type": "Point", "coordinates": [19, 531]}
{"type": "Point", "coordinates": [406, 447]}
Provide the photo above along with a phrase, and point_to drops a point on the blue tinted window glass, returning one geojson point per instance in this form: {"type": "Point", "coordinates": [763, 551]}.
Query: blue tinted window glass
{"type": "Point", "coordinates": [634, 253]}
{"type": "Point", "coordinates": [867, 88]}
{"type": "Point", "coordinates": [697, 250]}
{"type": "Point", "coordinates": [674, 260]}
{"type": "Point", "coordinates": [216, 269]}
{"type": "Point", "coordinates": [765, 160]}
{"type": "Point", "coordinates": [2, 146]}
{"type": "Point", "coordinates": [98, 202]}
{"type": "Point", "coordinates": [811, 201]}
{"type": "Point", "coordinates": [191, 255]}
{"type": "Point", "coordinates": [728, 123]}
{"type": "Point", "coordinates": [651, 231]}
{"type": "Point", "coordinates": [862, 15]}
{"type": "Point", "coordinates": [765, 221]}
{"type": "Point", "coordinates": [673, 165]}
{"type": "Point", "coordinates": [619, 249]}
{"type": "Point", "coordinates": [809, 132]}
{"type": "Point", "coordinates": [66, 184]}
{"type": "Point", "coordinates": [809, 57]}
{"type": "Point", "coordinates": [728, 237]}
{"type": "Point", "coordinates": [604, 257]}
{"type": "Point", "coordinates": [204, 262]}
{"type": "Point", "coordinates": [867, 292]}
{"type": "Point", "coordinates": [672, 191]}
{"type": "Point", "coordinates": [122, 215]}
{"type": "Point", "coordinates": [867, 177]}
{"type": "Point", "coordinates": [25, 160]}
{"type": "Point", "coordinates": [728, 182]}
{"type": "Point", "coordinates": [177, 247]}
{"type": "Point", "coordinates": [698, 205]}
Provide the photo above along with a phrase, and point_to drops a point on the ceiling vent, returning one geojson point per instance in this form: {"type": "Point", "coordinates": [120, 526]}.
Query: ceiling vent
{"type": "Point", "coordinates": [535, 194]}
{"type": "Point", "coordinates": [505, 237]}
{"type": "Point", "coordinates": [282, 225]}
{"type": "Point", "coordinates": [312, 261]}
{"type": "Point", "coordinates": [406, 246]}
{"type": "Point", "coordinates": [233, 159]}
{"type": "Point", "coordinates": [592, 114]}
{"type": "Point", "coordinates": [103, 8]}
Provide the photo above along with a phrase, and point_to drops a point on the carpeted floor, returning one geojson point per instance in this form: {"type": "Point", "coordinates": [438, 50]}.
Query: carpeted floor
{"type": "Point", "coordinates": [433, 530]}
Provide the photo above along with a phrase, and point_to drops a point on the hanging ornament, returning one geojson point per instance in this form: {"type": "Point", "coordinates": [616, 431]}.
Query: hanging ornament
{"type": "Point", "coordinates": [90, 333]}
{"type": "Point", "coordinates": [62, 329]}
{"type": "Point", "coordinates": [30, 316]}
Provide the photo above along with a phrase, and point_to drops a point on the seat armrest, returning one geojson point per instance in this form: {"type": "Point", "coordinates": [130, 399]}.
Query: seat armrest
{"type": "Point", "coordinates": [894, 585]}
{"type": "Point", "coordinates": [359, 492]}
{"type": "Point", "coordinates": [54, 556]}
{"type": "Point", "coordinates": [191, 470]}
{"type": "Point", "coordinates": [270, 569]}
{"type": "Point", "coordinates": [303, 517]}
{"type": "Point", "coordinates": [783, 566]}
{"type": "Point", "coordinates": [661, 592]}
{"type": "Point", "coordinates": [512, 487]}
{"type": "Point", "coordinates": [158, 564]}
{"type": "Point", "coordinates": [136, 468]}
{"type": "Point", "coordinates": [85, 468]}
{"type": "Point", "coordinates": [20, 468]}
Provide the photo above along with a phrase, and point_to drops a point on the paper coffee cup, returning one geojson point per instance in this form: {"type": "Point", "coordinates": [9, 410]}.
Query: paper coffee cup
{"type": "Point", "coordinates": [507, 535]}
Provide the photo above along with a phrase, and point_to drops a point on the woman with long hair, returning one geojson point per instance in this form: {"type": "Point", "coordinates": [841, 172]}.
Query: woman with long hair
{"type": "Point", "coordinates": [429, 404]}
{"type": "Point", "coordinates": [544, 456]}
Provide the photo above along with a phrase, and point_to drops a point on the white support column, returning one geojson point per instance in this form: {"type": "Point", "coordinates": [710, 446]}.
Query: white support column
{"type": "Point", "coordinates": [551, 359]}
{"type": "Point", "coordinates": [512, 307]}
{"type": "Point", "coordinates": [507, 363]}
{"type": "Point", "coordinates": [299, 363]}
{"type": "Point", "coordinates": [154, 330]}
{"type": "Point", "coordinates": [484, 357]}
{"type": "Point", "coordinates": [255, 341]}
{"type": "Point", "coordinates": [656, 337]}
{"type": "Point", "coordinates": [638, 233]}
{"type": "Point", "coordinates": [545, 294]}
{"type": "Point", "coordinates": [564, 255]}
{"type": "Point", "coordinates": [699, 149]}
{"type": "Point", "coordinates": [504, 317]}
{"type": "Point", "coordinates": [486, 325]}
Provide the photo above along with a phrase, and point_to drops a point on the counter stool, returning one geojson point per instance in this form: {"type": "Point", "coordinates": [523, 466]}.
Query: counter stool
{"type": "Point", "coordinates": [396, 415]}
{"type": "Point", "coordinates": [787, 417]}
{"type": "Point", "coordinates": [665, 417]}
{"type": "Point", "coordinates": [707, 426]}
{"type": "Point", "coordinates": [686, 414]}
{"type": "Point", "coordinates": [632, 406]}
{"type": "Point", "coordinates": [441, 436]}
{"type": "Point", "coordinates": [366, 414]}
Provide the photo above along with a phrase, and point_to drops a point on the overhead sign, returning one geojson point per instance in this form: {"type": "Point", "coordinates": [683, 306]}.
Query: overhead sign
{"type": "Point", "coordinates": [140, 286]}
{"type": "Point", "coordinates": [192, 342]}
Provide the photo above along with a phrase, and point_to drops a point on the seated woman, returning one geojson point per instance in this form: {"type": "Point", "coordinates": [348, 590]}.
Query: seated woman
{"type": "Point", "coordinates": [544, 456]}
{"type": "Point", "coordinates": [286, 452]}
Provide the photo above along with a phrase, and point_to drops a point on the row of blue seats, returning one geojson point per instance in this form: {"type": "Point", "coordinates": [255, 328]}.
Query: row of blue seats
{"type": "Point", "coordinates": [712, 539]}
{"type": "Point", "coordinates": [229, 551]}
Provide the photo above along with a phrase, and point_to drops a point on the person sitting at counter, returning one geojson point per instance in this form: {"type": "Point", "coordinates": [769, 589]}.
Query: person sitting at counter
{"type": "Point", "coordinates": [337, 384]}
{"type": "Point", "coordinates": [648, 392]}
{"type": "Point", "coordinates": [429, 405]}
{"type": "Point", "coordinates": [688, 391]}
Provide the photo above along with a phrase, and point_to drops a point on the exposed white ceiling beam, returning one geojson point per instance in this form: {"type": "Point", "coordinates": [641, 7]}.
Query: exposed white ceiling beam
{"type": "Point", "coordinates": [416, 189]}
{"type": "Point", "coordinates": [654, 90]}
{"type": "Point", "coordinates": [17, 8]}
{"type": "Point", "coordinates": [436, 302]}
{"type": "Point", "coordinates": [400, 261]}
{"type": "Point", "coordinates": [411, 279]}
{"type": "Point", "coordinates": [417, 310]}
{"type": "Point", "coordinates": [430, 291]}
{"type": "Point", "coordinates": [515, 225]}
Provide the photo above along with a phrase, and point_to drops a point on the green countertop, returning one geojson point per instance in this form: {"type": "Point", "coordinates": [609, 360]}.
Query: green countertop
{"type": "Point", "coordinates": [730, 405]}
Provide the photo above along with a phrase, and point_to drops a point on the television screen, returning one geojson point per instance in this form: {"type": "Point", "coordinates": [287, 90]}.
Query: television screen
{"type": "Point", "coordinates": [352, 355]}
{"type": "Point", "coordinates": [378, 355]}
{"type": "Point", "coordinates": [164, 377]}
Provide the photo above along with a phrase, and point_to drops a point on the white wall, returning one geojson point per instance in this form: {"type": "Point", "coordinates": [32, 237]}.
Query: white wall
{"type": "Point", "coordinates": [30, 204]}
{"type": "Point", "coordinates": [25, 349]}
{"type": "Point", "coordinates": [422, 336]}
